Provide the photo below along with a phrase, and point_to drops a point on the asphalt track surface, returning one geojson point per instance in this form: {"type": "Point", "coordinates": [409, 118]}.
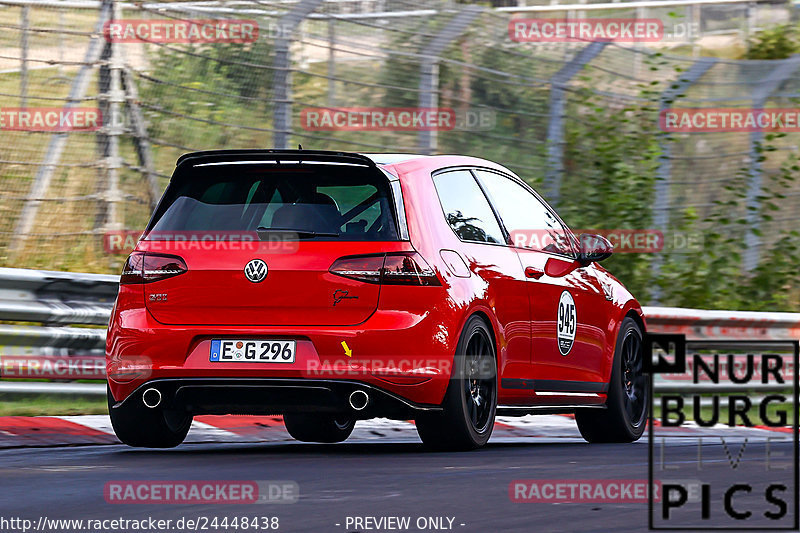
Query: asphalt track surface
{"type": "Point", "coordinates": [382, 478]}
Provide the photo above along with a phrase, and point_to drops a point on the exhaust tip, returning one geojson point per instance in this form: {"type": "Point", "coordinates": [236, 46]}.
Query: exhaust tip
{"type": "Point", "coordinates": [151, 398]}
{"type": "Point", "coordinates": [359, 400]}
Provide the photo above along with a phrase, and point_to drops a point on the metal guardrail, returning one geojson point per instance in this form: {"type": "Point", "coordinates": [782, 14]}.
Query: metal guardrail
{"type": "Point", "coordinates": [58, 301]}
{"type": "Point", "coordinates": [61, 300]}
{"type": "Point", "coordinates": [60, 337]}
{"type": "Point", "coordinates": [55, 299]}
{"type": "Point", "coordinates": [43, 387]}
{"type": "Point", "coordinates": [701, 324]}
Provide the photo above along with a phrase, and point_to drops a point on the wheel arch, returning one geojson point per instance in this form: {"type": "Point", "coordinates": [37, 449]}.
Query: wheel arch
{"type": "Point", "coordinates": [489, 322]}
{"type": "Point", "coordinates": [633, 310]}
{"type": "Point", "coordinates": [491, 325]}
{"type": "Point", "coordinates": [488, 319]}
{"type": "Point", "coordinates": [634, 314]}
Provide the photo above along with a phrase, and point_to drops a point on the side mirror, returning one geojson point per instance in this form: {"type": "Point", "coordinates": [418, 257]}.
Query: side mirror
{"type": "Point", "coordinates": [593, 248]}
{"type": "Point", "coordinates": [558, 268]}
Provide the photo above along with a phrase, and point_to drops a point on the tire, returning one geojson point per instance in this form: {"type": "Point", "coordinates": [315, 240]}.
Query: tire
{"type": "Point", "coordinates": [318, 428]}
{"type": "Point", "coordinates": [142, 427]}
{"type": "Point", "coordinates": [625, 416]}
{"type": "Point", "coordinates": [470, 402]}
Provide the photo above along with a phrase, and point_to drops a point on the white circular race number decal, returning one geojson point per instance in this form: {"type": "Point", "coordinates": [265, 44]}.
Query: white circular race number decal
{"type": "Point", "coordinates": [567, 323]}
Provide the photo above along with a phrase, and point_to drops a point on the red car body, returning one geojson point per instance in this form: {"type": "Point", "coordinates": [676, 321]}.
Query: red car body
{"type": "Point", "coordinates": [401, 338]}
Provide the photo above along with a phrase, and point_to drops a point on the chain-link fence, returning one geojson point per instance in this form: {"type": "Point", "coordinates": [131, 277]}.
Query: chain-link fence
{"type": "Point", "coordinates": [548, 110]}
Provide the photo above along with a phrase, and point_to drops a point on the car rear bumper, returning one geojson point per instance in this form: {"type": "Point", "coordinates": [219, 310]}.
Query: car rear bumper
{"type": "Point", "coordinates": [266, 396]}
{"type": "Point", "coordinates": [405, 355]}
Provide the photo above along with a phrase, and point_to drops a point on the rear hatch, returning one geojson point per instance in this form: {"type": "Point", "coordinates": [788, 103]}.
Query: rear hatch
{"type": "Point", "coordinates": [252, 243]}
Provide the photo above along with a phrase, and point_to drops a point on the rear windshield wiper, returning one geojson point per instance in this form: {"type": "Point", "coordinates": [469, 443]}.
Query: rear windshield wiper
{"type": "Point", "coordinates": [301, 234]}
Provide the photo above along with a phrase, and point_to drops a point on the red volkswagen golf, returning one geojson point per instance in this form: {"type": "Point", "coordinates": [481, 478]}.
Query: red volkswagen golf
{"type": "Point", "coordinates": [331, 287]}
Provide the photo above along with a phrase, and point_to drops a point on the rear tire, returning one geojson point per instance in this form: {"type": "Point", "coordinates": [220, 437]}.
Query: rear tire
{"type": "Point", "coordinates": [142, 427]}
{"type": "Point", "coordinates": [318, 428]}
{"type": "Point", "coordinates": [625, 416]}
{"type": "Point", "coordinates": [470, 402]}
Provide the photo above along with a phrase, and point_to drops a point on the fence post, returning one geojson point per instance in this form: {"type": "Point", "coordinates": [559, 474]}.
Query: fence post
{"type": "Point", "coordinates": [23, 68]}
{"type": "Point", "coordinates": [752, 244]}
{"type": "Point", "coordinates": [282, 80]}
{"type": "Point", "coordinates": [61, 44]}
{"type": "Point", "coordinates": [102, 138]}
{"type": "Point", "coordinates": [661, 200]}
{"type": "Point", "coordinates": [331, 61]}
{"type": "Point", "coordinates": [112, 92]}
{"type": "Point", "coordinates": [637, 46]}
{"type": "Point", "coordinates": [55, 147]}
{"type": "Point", "coordinates": [429, 69]}
{"type": "Point", "coordinates": [555, 127]}
{"type": "Point", "coordinates": [750, 13]}
{"type": "Point", "coordinates": [141, 141]}
{"type": "Point", "coordinates": [697, 22]}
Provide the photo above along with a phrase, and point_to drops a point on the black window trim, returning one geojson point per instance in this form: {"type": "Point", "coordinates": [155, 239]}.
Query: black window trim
{"type": "Point", "coordinates": [482, 187]}
{"type": "Point", "coordinates": [536, 195]}
{"type": "Point", "coordinates": [396, 190]}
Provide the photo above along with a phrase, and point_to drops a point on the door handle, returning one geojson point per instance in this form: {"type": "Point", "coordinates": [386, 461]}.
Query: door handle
{"type": "Point", "coordinates": [535, 273]}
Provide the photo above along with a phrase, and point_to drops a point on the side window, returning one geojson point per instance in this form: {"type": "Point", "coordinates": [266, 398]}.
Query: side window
{"type": "Point", "coordinates": [527, 220]}
{"type": "Point", "coordinates": [466, 208]}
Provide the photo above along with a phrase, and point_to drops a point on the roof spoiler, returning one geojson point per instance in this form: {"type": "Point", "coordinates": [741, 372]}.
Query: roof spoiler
{"type": "Point", "coordinates": [222, 156]}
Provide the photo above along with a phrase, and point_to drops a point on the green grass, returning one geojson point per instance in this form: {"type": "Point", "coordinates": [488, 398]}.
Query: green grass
{"type": "Point", "coordinates": [82, 20]}
{"type": "Point", "coordinates": [59, 243]}
{"type": "Point", "coordinates": [51, 405]}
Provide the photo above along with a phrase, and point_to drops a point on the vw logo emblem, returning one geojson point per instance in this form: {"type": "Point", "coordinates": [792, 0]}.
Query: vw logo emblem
{"type": "Point", "coordinates": [256, 270]}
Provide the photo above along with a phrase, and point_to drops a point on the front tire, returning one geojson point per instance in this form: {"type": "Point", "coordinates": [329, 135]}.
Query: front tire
{"type": "Point", "coordinates": [625, 416]}
{"type": "Point", "coordinates": [142, 427]}
{"type": "Point", "coordinates": [318, 428]}
{"type": "Point", "coordinates": [470, 402]}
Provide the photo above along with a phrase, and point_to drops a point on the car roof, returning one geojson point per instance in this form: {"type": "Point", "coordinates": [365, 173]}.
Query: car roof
{"type": "Point", "coordinates": [391, 159]}
{"type": "Point", "coordinates": [426, 164]}
{"type": "Point", "coordinates": [431, 161]}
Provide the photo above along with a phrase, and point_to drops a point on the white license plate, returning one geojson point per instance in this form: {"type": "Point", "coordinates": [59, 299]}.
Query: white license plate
{"type": "Point", "coordinates": [252, 351]}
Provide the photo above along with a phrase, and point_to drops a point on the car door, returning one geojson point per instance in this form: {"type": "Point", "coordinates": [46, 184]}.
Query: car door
{"type": "Point", "coordinates": [497, 278]}
{"type": "Point", "coordinates": [569, 309]}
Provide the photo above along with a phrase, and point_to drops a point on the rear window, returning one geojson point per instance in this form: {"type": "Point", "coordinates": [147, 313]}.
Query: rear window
{"type": "Point", "coordinates": [320, 201]}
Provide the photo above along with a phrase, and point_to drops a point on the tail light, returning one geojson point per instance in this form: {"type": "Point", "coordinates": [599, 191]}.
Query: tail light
{"type": "Point", "coordinates": [143, 267]}
{"type": "Point", "coordinates": [387, 269]}
{"type": "Point", "coordinates": [366, 268]}
{"type": "Point", "coordinates": [408, 269]}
